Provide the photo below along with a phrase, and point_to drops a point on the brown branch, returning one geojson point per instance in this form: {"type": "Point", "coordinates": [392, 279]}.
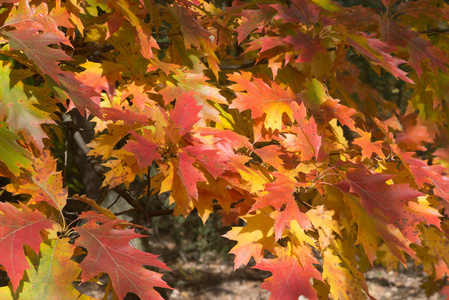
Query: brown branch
{"type": "Point", "coordinates": [435, 31]}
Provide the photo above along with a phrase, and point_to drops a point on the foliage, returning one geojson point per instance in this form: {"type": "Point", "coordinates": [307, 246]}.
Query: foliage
{"type": "Point", "coordinates": [255, 112]}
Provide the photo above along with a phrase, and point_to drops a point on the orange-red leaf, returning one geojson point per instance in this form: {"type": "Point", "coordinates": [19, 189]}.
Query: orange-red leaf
{"type": "Point", "coordinates": [145, 149]}
{"type": "Point", "coordinates": [19, 227]}
{"type": "Point", "coordinates": [262, 99]}
{"type": "Point", "coordinates": [185, 113]}
{"type": "Point", "coordinates": [290, 279]}
{"type": "Point", "coordinates": [44, 184]}
{"type": "Point", "coordinates": [109, 250]}
{"type": "Point", "coordinates": [368, 147]}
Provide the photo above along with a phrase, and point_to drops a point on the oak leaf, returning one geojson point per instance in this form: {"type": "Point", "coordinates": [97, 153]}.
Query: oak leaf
{"type": "Point", "coordinates": [368, 147]}
{"type": "Point", "coordinates": [44, 184]}
{"type": "Point", "coordinates": [19, 227]}
{"type": "Point", "coordinates": [19, 105]}
{"type": "Point", "coordinates": [55, 273]}
{"type": "Point", "coordinates": [272, 101]}
{"type": "Point", "coordinates": [144, 148]}
{"type": "Point", "coordinates": [290, 279]}
{"type": "Point", "coordinates": [305, 138]}
{"type": "Point", "coordinates": [185, 113]}
{"type": "Point", "coordinates": [11, 153]}
{"type": "Point", "coordinates": [252, 238]}
{"type": "Point", "coordinates": [109, 251]}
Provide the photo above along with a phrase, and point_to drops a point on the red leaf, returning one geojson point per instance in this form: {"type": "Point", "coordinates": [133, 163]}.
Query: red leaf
{"type": "Point", "coordinates": [109, 251]}
{"type": "Point", "coordinates": [423, 173]}
{"type": "Point", "coordinates": [377, 51]}
{"type": "Point", "coordinates": [211, 158]}
{"type": "Point", "coordinates": [391, 200]}
{"type": "Point", "coordinates": [262, 99]}
{"type": "Point", "coordinates": [420, 49]}
{"type": "Point", "coordinates": [35, 47]}
{"type": "Point", "coordinates": [185, 113]}
{"type": "Point", "coordinates": [280, 192]}
{"type": "Point", "coordinates": [128, 116]}
{"type": "Point", "coordinates": [145, 149]}
{"type": "Point", "coordinates": [230, 137]}
{"type": "Point", "coordinates": [189, 174]}
{"type": "Point", "coordinates": [301, 11]}
{"type": "Point", "coordinates": [332, 109]}
{"type": "Point", "coordinates": [19, 227]}
{"type": "Point", "coordinates": [25, 17]}
{"type": "Point", "coordinates": [305, 138]}
{"type": "Point", "coordinates": [253, 19]}
{"type": "Point", "coordinates": [309, 46]}
{"type": "Point", "coordinates": [290, 279]}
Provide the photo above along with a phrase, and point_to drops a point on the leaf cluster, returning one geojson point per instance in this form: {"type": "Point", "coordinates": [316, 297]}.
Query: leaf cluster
{"type": "Point", "coordinates": [255, 113]}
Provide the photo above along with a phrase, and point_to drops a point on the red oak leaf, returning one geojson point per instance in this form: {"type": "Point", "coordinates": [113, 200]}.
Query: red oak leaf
{"type": "Point", "coordinates": [109, 251]}
{"type": "Point", "coordinates": [35, 47]}
{"type": "Point", "coordinates": [210, 158]}
{"type": "Point", "coordinates": [145, 148]}
{"type": "Point", "coordinates": [19, 227]}
{"type": "Point", "coordinates": [377, 51]}
{"type": "Point", "coordinates": [25, 17]}
{"type": "Point", "coordinates": [128, 116]}
{"type": "Point", "coordinates": [262, 99]}
{"type": "Point", "coordinates": [230, 137]}
{"type": "Point", "coordinates": [252, 238]}
{"type": "Point", "coordinates": [280, 193]}
{"type": "Point", "coordinates": [253, 19]}
{"type": "Point", "coordinates": [391, 200]}
{"type": "Point", "coordinates": [44, 184]}
{"type": "Point", "coordinates": [305, 138]}
{"type": "Point", "coordinates": [188, 174]}
{"type": "Point", "coordinates": [420, 49]}
{"type": "Point", "coordinates": [368, 147]}
{"type": "Point", "coordinates": [332, 109]}
{"type": "Point", "coordinates": [185, 113]}
{"type": "Point", "coordinates": [290, 279]}
{"type": "Point", "coordinates": [301, 11]}
{"type": "Point", "coordinates": [309, 46]}
{"type": "Point", "coordinates": [423, 173]}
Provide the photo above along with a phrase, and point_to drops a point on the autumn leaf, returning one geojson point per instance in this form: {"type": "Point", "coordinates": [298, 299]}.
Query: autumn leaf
{"type": "Point", "coordinates": [55, 273]}
{"type": "Point", "coordinates": [19, 227]}
{"type": "Point", "coordinates": [368, 147]}
{"type": "Point", "coordinates": [38, 18]}
{"type": "Point", "coordinates": [253, 238]}
{"type": "Point", "coordinates": [44, 184]}
{"type": "Point", "coordinates": [280, 196]}
{"type": "Point", "coordinates": [11, 153]}
{"type": "Point", "coordinates": [189, 174]}
{"type": "Point", "coordinates": [119, 259]}
{"type": "Point", "coordinates": [303, 137]}
{"type": "Point", "coordinates": [21, 109]}
{"type": "Point", "coordinates": [35, 47]}
{"type": "Point", "coordinates": [302, 11]}
{"type": "Point", "coordinates": [185, 113]}
{"type": "Point", "coordinates": [254, 19]}
{"type": "Point", "coordinates": [345, 281]}
{"type": "Point", "coordinates": [392, 200]}
{"type": "Point", "coordinates": [262, 99]}
{"type": "Point", "coordinates": [290, 279]}
{"type": "Point", "coordinates": [202, 92]}
{"type": "Point", "coordinates": [144, 148]}
{"type": "Point", "coordinates": [322, 220]}
{"type": "Point", "coordinates": [377, 51]}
